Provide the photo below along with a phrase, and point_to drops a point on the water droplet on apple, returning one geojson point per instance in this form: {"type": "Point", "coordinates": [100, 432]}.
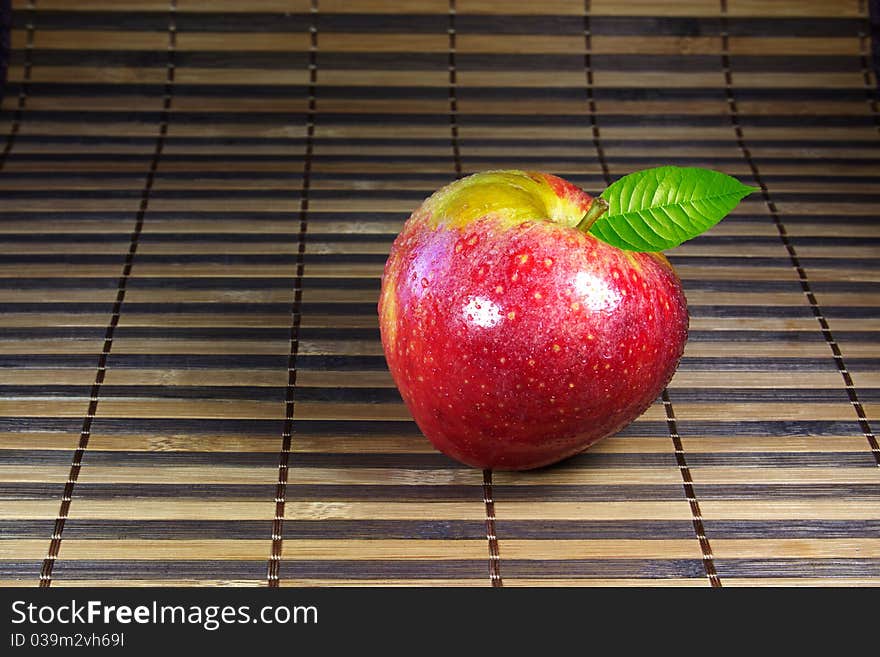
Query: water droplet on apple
{"type": "Point", "coordinates": [482, 312]}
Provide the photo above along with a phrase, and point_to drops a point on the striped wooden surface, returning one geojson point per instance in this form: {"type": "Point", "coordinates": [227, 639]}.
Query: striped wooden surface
{"type": "Point", "coordinates": [197, 200]}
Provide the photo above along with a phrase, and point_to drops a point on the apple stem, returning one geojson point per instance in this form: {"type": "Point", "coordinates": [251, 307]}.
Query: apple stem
{"type": "Point", "coordinates": [598, 207]}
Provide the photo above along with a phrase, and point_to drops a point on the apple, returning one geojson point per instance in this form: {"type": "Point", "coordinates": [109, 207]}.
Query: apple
{"type": "Point", "coordinates": [515, 337]}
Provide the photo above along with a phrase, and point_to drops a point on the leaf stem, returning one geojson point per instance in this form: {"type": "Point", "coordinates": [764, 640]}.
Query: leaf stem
{"type": "Point", "coordinates": [598, 207]}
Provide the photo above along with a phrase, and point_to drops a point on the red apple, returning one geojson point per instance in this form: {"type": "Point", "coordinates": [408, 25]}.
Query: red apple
{"type": "Point", "coordinates": [515, 337]}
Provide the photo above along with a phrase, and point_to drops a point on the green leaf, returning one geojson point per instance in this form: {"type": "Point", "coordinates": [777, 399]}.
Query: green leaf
{"type": "Point", "coordinates": [660, 208]}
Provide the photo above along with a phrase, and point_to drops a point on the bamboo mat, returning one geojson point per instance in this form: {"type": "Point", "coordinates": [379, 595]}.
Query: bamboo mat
{"type": "Point", "coordinates": [196, 201]}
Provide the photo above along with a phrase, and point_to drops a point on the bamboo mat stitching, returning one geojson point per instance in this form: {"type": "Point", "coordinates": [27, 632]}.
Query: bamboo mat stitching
{"type": "Point", "coordinates": [806, 287]}
{"type": "Point", "coordinates": [25, 84]}
{"type": "Point", "coordinates": [274, 565]}
{"type": "Point", "coordinates": [453, 96]}
{"type": "Point", "coordinates": [488, 495]}
{"type": "Point", "coordinates": [689, 492]}
{"type": "Point", "coordinates": [491, 534]}
{"type": "Point", "coordinates": [5, 43]}
{"type": "Point", "coordinates": [708, 560]}
{"type": "Point", "coordinates": [101, 372]}
{"type": "Point", "coordinates": [591, 100]}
